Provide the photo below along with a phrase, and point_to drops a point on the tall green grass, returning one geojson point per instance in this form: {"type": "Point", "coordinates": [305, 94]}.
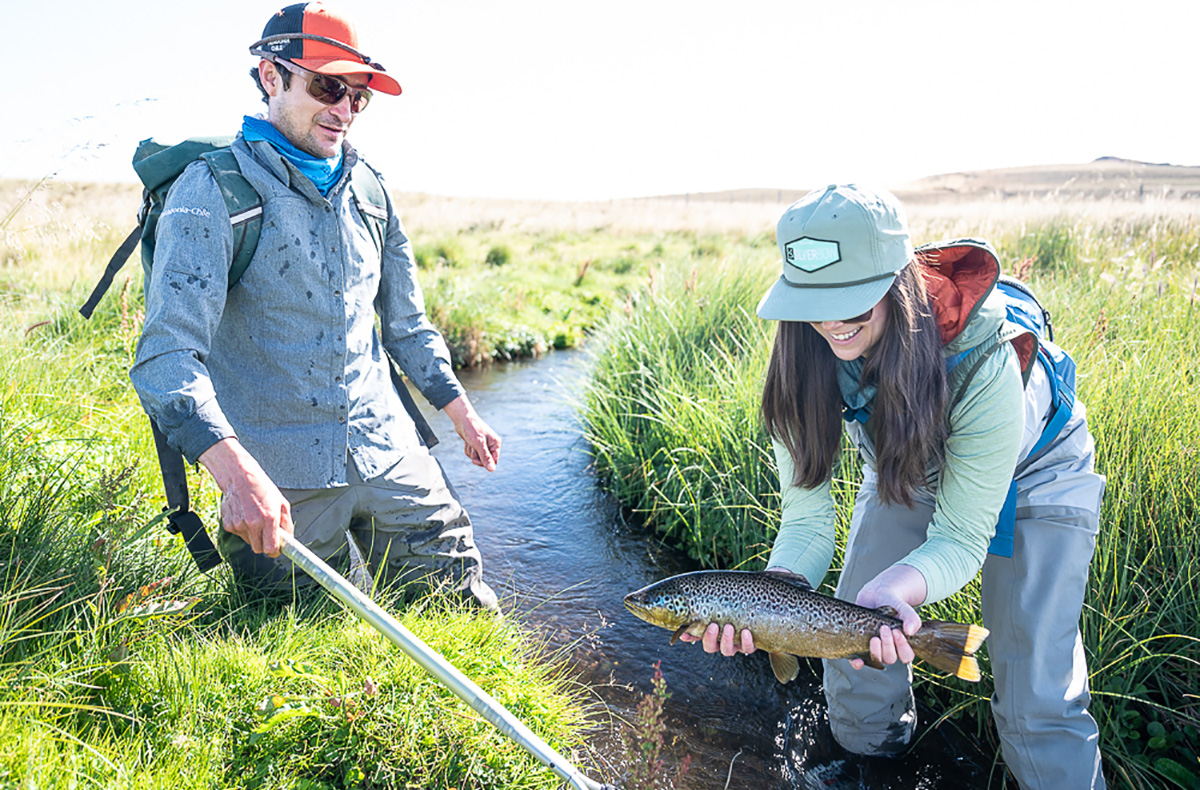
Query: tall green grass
{"type": "Point", "coordinates": [122, 666]}
{"type": "Point", "coordinates": [671, 414]}
{"type": "Point", "coordinates": [672, 420]}
{"type": "Point", "coordinates": [499, 296]}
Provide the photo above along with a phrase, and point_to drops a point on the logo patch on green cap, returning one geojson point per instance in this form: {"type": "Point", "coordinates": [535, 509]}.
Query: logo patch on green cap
{"type": "Point", "coordinates": [811, 254]}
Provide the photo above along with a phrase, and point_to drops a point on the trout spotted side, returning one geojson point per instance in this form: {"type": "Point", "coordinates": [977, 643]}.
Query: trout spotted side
{"type": "Point", "coordinates": [788, 618]}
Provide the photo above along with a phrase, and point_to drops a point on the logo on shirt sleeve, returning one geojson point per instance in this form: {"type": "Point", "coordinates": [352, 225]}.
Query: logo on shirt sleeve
{"type": "Point", "coordinates": [195, 212]}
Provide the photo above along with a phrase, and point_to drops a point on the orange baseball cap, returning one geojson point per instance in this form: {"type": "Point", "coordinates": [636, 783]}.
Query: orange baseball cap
{"type": "Point", "coordinates": [322, 40]}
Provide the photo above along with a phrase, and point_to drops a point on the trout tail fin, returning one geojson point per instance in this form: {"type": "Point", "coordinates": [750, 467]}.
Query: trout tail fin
{"type": "Point", "coordinates": [950, 647]}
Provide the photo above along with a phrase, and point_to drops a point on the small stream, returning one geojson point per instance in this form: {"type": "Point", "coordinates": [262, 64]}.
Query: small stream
{"type": "Point", "coordinates": [557, 549]}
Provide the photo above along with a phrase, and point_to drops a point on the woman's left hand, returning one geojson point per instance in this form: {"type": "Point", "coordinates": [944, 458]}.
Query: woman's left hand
{"type": "Point", "coordinates": [723, 638]}
{"type": "Point", "coordinates": [902, 587]}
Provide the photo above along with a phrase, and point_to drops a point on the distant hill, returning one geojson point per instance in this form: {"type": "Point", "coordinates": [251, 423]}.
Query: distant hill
{"type": "Point", "coordinates": [1105, 178]}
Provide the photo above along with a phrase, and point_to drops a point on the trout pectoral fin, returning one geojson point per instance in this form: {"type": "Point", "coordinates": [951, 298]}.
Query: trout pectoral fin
{"type": "Point", "coordinates": [680, 631]}
{"type": "Point", "coordinates": [868, 660]}
{"type": "Point", "coordinates": [785, 666]}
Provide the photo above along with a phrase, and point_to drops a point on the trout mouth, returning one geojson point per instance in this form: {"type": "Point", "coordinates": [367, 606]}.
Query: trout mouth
{"type": "Point", "coordinates": [653, 612]}
{"type": "Point", "coordinates": [638, 605]}
{"type": "Point", "coordinates": [643, 609]}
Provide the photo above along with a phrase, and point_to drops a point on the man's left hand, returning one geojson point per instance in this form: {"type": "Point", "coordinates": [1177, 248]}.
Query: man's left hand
{"type": "Point", "coordinates": [480, 443]}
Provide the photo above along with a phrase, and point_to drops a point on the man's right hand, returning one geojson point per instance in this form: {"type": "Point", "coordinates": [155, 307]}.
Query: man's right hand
{"type": "Point", "coordinates": [252, 507]}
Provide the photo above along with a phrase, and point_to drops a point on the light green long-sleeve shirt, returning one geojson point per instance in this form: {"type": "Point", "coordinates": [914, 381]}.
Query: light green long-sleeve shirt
{"type": "Point", "coordinates": [986, 427]}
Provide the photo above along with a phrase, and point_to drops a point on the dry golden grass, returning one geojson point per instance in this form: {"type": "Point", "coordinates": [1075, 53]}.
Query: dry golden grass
{"type": "Point", "coordinates": [634, 215]}
{"type": "Point", "coordinates": [1098, 190]}
{"type": "Point", "coordinates": [929, 218]}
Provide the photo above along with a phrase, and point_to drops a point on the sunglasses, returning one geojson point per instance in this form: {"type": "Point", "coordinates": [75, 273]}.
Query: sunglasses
{"type": "Point", "coordinates": [860, 319]}
{"type": "Point", "coordinates": [329, 90]}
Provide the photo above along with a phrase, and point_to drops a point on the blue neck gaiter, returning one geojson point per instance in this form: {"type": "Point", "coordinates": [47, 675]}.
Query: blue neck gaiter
{"type": "Point", "coordinates": [324, 173]}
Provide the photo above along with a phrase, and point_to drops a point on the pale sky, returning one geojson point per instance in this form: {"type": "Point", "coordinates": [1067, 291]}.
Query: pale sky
{"type": "Point", "coordinates": [573, 100]}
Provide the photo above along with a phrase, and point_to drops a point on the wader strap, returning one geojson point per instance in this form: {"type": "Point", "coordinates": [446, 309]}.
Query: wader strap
{"type": "Point", "coordinates": [114, 265]}
{"type": "Point", "coordinates": [428, 437]}
{"type": "Point", "coordinates": [181, 519]}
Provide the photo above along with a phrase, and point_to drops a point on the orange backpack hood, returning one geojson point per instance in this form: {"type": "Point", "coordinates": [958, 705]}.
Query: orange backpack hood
{"type": "Point", "coordinates": [960, 276]}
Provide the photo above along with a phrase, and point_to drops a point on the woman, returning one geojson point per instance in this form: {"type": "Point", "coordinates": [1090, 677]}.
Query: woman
{"type": "Point", "coordinates": [868, 329]}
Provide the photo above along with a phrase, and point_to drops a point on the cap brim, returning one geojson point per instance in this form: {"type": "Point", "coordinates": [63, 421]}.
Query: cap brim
{"type": "Point", "coordinates": [787, 302]}
{"type": "Point", "coordinates": [379, 81]}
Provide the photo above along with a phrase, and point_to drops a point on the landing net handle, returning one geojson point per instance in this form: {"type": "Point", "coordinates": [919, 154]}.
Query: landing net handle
{"type": "Point", "coordinates": [433, 663]}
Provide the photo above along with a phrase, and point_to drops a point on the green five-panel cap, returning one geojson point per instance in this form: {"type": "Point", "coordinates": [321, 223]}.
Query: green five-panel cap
{"type": "Point", "coordinates": [842, 247]}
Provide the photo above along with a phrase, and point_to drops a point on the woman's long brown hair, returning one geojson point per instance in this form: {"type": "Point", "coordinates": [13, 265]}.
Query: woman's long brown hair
{"type": "Point", "coordinates": [802, 403]}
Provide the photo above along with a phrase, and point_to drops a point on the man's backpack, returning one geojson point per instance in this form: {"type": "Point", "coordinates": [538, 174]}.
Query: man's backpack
{"type": "Point", "coordinates": [158, 166]}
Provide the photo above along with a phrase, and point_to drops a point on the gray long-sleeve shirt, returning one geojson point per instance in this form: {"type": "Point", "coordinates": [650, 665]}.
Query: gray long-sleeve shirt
{"type": "Point", "coordinates": [288, 360]}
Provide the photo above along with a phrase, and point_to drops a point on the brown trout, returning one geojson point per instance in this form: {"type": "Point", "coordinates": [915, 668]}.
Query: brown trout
{"type": "Point", "coordinates": [788, 619]}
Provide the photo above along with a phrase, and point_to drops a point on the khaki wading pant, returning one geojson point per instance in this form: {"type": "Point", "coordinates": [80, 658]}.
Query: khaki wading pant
{"type": "Point", "coordinates": [407, 522]}
{"type": "Point", "coordinates": [1031, 604]}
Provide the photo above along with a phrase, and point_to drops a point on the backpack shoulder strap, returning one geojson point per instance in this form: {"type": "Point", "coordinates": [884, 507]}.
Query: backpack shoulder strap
{"type": "Point", "coordinates": [369, 197]}
{"type": "Point", "coordinates": [180, 518]}
{"type": "Point", "coordinates": [367, 192]}
{"type": "Point", "coordinates": [962, 367]}
{"type": "Point", "coordinates": [245, 208]}
{"type": "Point", "coordinates": [115, 263]}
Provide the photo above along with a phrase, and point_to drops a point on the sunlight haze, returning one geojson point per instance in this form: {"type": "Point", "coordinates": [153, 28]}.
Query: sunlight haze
{"type": "Point", "coordinates": [570, 100]}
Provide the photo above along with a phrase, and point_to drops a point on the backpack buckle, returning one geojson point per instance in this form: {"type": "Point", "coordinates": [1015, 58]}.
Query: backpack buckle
{"type": "Point", "coordinates": [144, 211]}
{"type": "Point", "coordinates": [195, 538]}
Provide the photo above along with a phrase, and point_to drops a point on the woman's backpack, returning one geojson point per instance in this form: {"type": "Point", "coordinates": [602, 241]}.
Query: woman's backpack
{"type": "Point", "coordinates": [1025, 318]}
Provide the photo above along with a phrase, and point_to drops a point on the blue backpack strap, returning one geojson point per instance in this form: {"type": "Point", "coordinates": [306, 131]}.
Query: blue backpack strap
{"type": "Point", "coordinates": [952, 361]}
{"type": "Point", "coordinates": [1060, 370]}
{"type": "Point", "coordinates": [1062, 400]}
{"type": "Point", "coordinates": [1006, 525]}
{"type": "Point", "coordinates": [1025, 317]}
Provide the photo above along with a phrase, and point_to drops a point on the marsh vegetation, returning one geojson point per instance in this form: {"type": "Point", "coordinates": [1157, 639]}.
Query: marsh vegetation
{"type": "Point", "coordinates": [124, 667]}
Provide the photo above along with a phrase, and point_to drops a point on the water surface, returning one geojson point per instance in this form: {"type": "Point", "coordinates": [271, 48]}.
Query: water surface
{"type": "Point", "coordinates": [557, 549]}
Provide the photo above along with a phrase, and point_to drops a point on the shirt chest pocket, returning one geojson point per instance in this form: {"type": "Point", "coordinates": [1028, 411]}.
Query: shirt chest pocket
{"type": "Point", "coordinates": [289, 290]}
{"type": "Point", "coordinates": [296, 252]}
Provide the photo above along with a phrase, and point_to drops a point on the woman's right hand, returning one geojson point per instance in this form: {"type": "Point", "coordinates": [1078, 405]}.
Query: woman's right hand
{"type": "Point", "coordinates": [718, 637]}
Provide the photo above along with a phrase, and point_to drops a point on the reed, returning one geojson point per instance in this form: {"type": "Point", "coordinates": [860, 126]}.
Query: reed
{"type": "Point", "coordinates": [672, 417]}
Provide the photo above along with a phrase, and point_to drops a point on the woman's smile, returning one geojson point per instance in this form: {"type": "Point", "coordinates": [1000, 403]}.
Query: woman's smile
{"type": "Point", "coordinates": [850, 341]}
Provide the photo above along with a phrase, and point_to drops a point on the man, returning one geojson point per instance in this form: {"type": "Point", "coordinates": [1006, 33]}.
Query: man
{"type": "Point", "coordinates": [279, 385]}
